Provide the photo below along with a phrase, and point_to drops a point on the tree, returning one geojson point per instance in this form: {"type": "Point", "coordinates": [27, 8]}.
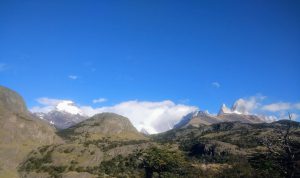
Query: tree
{"type": "Point", "coordinates": [280, 148]}
{"type": "Point", "coordinates": [161, 160]}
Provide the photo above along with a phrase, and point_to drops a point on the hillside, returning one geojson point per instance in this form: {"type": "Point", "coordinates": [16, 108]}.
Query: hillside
{"type": "Point", "coordinates": [20, 132]}
{"type": "Point", "coordinates": [228, 149]}
{"type": "Point", "coordinates": [103, 125]}
{"type": "Point", "coordinates": [90, 144]}
{"type": "Point", "coordinates": [245, 149]}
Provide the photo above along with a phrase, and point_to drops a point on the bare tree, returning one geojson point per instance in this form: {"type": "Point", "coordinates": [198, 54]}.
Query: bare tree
{"type": "Point", "coordinates": [280, 148]}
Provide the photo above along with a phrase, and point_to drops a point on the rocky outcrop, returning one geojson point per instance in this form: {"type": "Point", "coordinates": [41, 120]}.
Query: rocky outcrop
{"type": "Point", "coordinates": [20, 132]}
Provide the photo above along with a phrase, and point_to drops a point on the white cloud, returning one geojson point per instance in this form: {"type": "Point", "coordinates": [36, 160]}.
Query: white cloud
{"type": "Point", "coordinates": [247, 105]}
{"type": "Point", "coordinates": [69, 106]}
{"type": "Point", "coordinates": [253, 105]}
{"type": "Point", "coordinates": [43, 109]}
{"type": "Point", "coordinates": [275, 107]}
{"type": "Point", "coordinates": [73, 77]}
{"type": "Point", "coordinates": [297, 106]}
{"type": "Point", "coordinates": [216, 84]}
{"type": "Point", "coordinates": [281, 107]}
{"type": "Point", "coordinates": [99, 100]}
{"type": "Point", "coordinates": [49, 101]}
{"type": "Point", "coordinates": [153, 116]}
{"type": "Point", "coordinates": [48, 104]}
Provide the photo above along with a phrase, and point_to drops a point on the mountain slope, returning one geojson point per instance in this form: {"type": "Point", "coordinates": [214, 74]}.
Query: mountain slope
{"type": "Point", "coordinates": [226, 149]}
{"type": "Point", "coordinates": [89, 146]}
{"type": "Point", "coordinates": [63, 114]}
{"type": "Point", "coordinates": [20, 132]}
{"type": "Point", "coordinates": [240, 118]}
{"type": "Point", "coordinates": [61, 119]}
{"type": "Point", "coordinates": [225, 114]}
{"type": "Point", "coordinates": [103, 125]}
{"type": "Point", "coordinates": [197, 119]}
{"type": "Point", "coordinates": [249, 149]}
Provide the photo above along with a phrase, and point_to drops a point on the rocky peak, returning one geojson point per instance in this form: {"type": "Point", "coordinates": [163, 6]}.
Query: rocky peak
{"type": "Point", "coordinates": [61, 119]}
{"type": "Point", "coordinates": [224, 110]}
{"type": "Point", "coordinates": [11, 101]}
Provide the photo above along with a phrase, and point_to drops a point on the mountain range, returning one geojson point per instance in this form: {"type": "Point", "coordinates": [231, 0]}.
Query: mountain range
{"type": "Point", "coordinates": [66, 114]}
{"type": "Point", "coordinates": [230, 144]}
{"type": "Point", "coordinates": [200, 118]}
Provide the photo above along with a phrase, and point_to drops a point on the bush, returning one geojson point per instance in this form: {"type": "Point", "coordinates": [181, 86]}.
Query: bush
{"type": "Point", "coordinates": [163, 162]}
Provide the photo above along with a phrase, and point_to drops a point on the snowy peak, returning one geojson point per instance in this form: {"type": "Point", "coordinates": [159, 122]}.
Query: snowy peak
{"type": "Point", "coordinates": [239, 107]}
{"type": "Point", "coordinates": [225, 110]}
{"type": "Point", "coordinates": [61, 119]}
{"type": "Point", "coordinates": [196, 118]}
{"type": "Point", "coordinates": [69, 107]}
{"type": "Point", "coordinates": [64, 114]}
{"type": "Point", "coordinates": [200, 113]}
{"type": "Point", "coordinates": [238, 113]}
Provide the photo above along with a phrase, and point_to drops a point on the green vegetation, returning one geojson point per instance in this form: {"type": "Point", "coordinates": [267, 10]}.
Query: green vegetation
{"type": "Point", "coordinates": [163, 162]}
{"type": "Point", "coordinates": [106, 144]}
{"type": "Point", "coordinates": [221, 150]}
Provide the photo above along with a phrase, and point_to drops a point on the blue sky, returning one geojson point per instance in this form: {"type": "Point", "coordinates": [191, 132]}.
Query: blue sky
{"type": "Point", "coordinates": [196, 53]}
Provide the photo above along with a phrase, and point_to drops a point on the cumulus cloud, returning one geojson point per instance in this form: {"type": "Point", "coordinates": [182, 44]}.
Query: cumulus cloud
{"type": "Point", "coordinates": [216, 84]}
{"type": "Point", "coordinates": [154, 117]}
{"type": "Point", "coordinates": [73, 77]}
{"type": "Point", "coordinates": [99, 100]}
{"type": "Point", "coordinates": [274, 107]}
{"type": "Point", "coordinates": [247, 105]}
{"type": "Point", "coordinates": [269, 112]}
{"type": "Point", "coordinates": [281, 106]}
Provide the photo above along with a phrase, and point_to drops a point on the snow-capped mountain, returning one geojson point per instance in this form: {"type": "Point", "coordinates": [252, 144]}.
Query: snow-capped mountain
{"type": "Point", "coordinates": [196, 119]}
{"type": "Point", "coordinates": [225, 114]}
{"type": "Point", "coordinates": [224, 110]}
{"type": "Point", "coordinates": [237, 108]}
{"type": "Point", "coordinates": [64, 115]}
{"type": "Point", "coordinates": [68, 107]}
